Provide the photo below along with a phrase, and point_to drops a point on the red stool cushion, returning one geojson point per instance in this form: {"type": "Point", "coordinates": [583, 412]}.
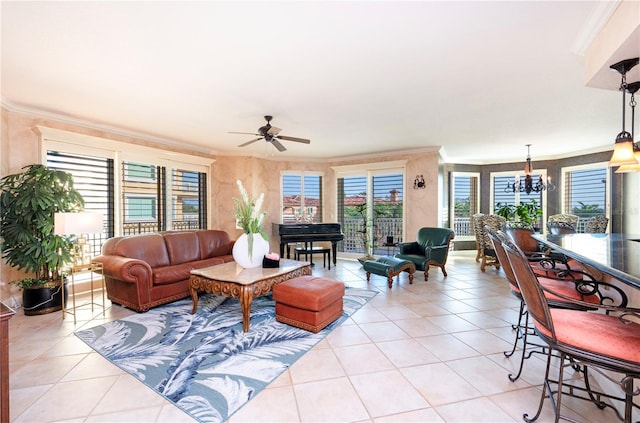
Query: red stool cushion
{"type": "Point", "coordinates": [308, 292]}
{"type": "Point", "coordinates": [308, 302]}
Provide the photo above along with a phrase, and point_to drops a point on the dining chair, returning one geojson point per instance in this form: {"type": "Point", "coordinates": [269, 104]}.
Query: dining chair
{"type": "Point", "coordinates": [567, 287]}
{"type": "Point", "coordinates": [476, 222]}
{"type": "Point", "coordinates": [597, 224]}
{"type": "Point", "coordinates": [522, 236]}
{"type": "Point", "coordinates": [547, 262]}
{"type": "Point", "coordinates": [564, 217]}
{"type": "Point", "coordinates": [483, 242]}
{"type": "Point", "coordinates": [544, 260]}
{"type": "Point", "coordinates": [560, 228]}
{"type": "Point", "coordinates": [584, 341]}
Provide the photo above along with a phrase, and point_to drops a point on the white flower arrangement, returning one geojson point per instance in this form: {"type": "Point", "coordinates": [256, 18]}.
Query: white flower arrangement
{"type": "Point", "coordinates": [248, 215]}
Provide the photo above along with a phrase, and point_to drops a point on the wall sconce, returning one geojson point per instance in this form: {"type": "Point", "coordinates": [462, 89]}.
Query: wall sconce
{"type": "Point", "coordinates": [623, 150]}
{"type": "Point", "coordinates": [419, 183]}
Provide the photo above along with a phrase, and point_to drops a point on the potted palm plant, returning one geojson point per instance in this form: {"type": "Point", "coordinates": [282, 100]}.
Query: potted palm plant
{"type": "Point", "coordinates": [367, 226]}
{"type": "Point", "coordinates": [28, 201]}
{"type": "Point", "coordinates": [526, 214]}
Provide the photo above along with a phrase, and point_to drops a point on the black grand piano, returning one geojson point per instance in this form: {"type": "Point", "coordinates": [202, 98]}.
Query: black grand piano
{"type": "Point", "coordinates": [308, 232]}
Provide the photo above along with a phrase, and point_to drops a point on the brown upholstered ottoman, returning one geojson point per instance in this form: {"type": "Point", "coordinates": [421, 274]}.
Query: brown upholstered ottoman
{"type": "Point", "coordinates": [308, 302]}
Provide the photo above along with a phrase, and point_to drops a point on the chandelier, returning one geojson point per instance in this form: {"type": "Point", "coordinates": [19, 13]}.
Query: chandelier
{"type": "Point", "coordinates": [527, 185]}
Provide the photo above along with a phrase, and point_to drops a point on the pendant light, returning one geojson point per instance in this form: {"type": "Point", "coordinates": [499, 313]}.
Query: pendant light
{"type": "Point", "coordinates": [632, 88]}
{"type": "Point", "coordinates": [623, 149]}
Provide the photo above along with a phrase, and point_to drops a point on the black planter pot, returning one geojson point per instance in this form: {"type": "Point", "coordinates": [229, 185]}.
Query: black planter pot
{"type": "Point", "coordinates": [43, 300]}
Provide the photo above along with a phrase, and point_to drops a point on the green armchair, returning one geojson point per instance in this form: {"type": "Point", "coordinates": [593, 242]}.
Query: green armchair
{"type": "Point", "coordinates": [431, 248]}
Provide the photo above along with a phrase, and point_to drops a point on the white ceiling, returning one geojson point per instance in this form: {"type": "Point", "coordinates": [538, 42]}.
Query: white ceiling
{"type": "Point", "coordinates": [481, 79]}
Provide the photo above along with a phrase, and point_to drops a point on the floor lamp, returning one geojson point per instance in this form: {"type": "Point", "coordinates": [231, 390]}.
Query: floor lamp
{"type": "Point", "coordinates": [80, 225]}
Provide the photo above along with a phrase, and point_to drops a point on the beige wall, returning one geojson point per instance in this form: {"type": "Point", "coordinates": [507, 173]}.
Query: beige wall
{"type": "Point", "coordinates": [19, 147]}
{"type": "Point", "coordinates": [260, 175]}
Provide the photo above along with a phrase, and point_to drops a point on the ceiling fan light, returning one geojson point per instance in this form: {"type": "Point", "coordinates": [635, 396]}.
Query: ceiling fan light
{"type": "Point", "coordinates": [623, 153]}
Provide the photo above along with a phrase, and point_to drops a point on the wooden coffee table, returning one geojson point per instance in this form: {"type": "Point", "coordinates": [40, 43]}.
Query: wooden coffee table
{"type": "Point", "coordinates": [234, 281]}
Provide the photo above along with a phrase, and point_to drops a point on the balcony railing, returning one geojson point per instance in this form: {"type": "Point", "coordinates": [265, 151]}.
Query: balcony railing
{"type": "Point", "coordinates": [133, 228]}
{"type": "Point", "coordinates": [383, 227]}
{"type": "Point", "coordinates": [462, 225]}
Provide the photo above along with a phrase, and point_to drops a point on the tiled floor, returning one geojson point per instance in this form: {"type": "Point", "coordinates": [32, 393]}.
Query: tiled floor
{"type": "Point", "coordinates": [427, 352]}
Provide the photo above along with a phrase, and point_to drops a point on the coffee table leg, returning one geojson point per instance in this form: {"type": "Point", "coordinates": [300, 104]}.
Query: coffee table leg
{"type": "Point", "coordinates": [194, 297]}
{"type": "Point", "coordinates": [246, 298]}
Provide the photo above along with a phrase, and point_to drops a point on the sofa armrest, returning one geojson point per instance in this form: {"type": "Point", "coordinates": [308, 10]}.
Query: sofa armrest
{"type": "Point", "coordinates": [125, 269]}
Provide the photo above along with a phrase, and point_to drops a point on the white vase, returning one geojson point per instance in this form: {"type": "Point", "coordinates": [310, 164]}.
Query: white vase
{"type": "Point", "coordinates": [241, 250]}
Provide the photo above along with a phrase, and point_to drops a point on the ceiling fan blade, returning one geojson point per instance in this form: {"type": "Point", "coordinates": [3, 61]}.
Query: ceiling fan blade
{"type": "Point", "coordinates": [274, 131]}
{"type": "Point", "coordinates": [250, 142]}
{"type": "Point", "coordinates": [278, 145]}
{"type": "Point", "coordinates": [302, 140]}
{"type": "Point", "coordinates": [243, 133]}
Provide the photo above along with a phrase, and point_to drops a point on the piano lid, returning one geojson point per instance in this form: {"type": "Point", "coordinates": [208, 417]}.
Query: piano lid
{"type": "Point", "coordinates": [306, 228]}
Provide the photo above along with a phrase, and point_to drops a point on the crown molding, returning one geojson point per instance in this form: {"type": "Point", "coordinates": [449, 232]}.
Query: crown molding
{"type": "Point", "coordinates": [602, 12]}
{"type": "Point", "coordinates": [159, 142]}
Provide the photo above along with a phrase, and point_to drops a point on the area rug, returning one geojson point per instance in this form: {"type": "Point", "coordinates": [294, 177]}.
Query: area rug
{"type": "Point", "coordinates": [204, 363]}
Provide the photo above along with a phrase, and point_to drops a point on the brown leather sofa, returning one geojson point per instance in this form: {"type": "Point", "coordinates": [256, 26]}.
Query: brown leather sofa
{"type": "Point", "coordinates": [145, 271]}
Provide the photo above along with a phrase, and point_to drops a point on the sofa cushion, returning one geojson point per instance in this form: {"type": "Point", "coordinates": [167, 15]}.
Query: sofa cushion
{"type": "Point", "coordinates": [200, 264]}
{"type": "Point", "coordinates": [171, 274]}
{"type": "Point", "coordinates": [150, 248]}
{"type": "Point", "coordinates": [214, 243]}
{"type": "Point", "coordinates": [182, 247]}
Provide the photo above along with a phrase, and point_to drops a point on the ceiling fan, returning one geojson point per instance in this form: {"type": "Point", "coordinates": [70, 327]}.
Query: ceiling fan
{"type": "Point", "coordinates": [270, 134]}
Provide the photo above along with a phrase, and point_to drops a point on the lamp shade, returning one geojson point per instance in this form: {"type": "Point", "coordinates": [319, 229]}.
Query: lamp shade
{"type": "Point", "coordinates": [631, 167]}
{"type": "Point", "coordinates": [77, 223]}
{"type": "Point", "coordinates": [623, 154]}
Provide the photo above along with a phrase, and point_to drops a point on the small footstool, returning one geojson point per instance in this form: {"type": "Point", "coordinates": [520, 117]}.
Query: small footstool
{"type": "Point", "coordinates": [389, 267]}
{"type": "Point", "coordinates": [308, 302]}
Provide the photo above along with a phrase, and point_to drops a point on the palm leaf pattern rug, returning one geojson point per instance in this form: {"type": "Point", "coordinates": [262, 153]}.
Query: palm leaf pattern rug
{"type": "Point", "coordinates": [204, 363]}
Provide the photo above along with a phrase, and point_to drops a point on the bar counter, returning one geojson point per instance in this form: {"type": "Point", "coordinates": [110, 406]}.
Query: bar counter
{"type": "Point", "coordinates": [615, 254]}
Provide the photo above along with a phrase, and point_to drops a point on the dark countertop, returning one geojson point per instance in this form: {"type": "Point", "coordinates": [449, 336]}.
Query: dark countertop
{"type": "Point", "coordinates": [615, 254]}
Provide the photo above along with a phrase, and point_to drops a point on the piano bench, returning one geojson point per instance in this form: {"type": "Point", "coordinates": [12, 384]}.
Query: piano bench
{"type": "Point", "coordinates": [326, 252]}
{"type": "Point", "coordinates": [389, 267]}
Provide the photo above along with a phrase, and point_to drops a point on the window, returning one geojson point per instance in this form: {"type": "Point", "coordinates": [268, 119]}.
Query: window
{"type": "Point", "coordinates": [502, 194]}
{"type": "Point", "coordinates": [188, 181]}
{"type": "Point", "coordinates": [145, 209]}
{"type": "Point", "coordinates": [370, 207]}
{"type": "Point", "coordinates": [387, 210]}
{"type": "Point", "coordinates": [585, 191]}
{"type": "Point", "coordinates": [143, 186]}
{"type": "Point", "coordinates": [301, 197]}
{"type": "Point", "coordinates": [138, 188]}
{"type": "Point", "coordinates": [465, 188]}
{"type": "Point", "coordinates": [139, 172]}
{"type": "Point", "coordinates": [188, 200]}
{"type": "Point", "coordinates": [93, 178]}
{"type": "Point", "coordinates": [140, 208]}
{"type": "Point", "coordinates": [352, 212]}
